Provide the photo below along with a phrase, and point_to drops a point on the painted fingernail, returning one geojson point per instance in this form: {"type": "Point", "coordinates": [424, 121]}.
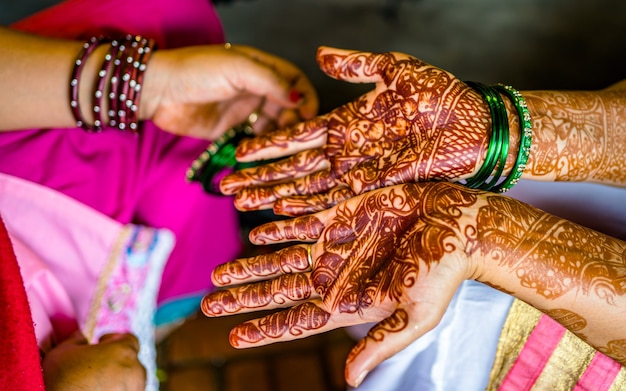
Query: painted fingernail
{"type": "Point", "coordinates": [295, 96]}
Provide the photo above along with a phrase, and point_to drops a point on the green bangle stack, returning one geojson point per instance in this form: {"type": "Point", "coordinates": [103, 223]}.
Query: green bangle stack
{"type": "Point", "coordinates": [498, 148]}
{"type": "Point", "coordinates": [218, 159]}
{"type": "Point", "coordinates": [526, 134]}
{"type": "Point", "coordinates": [489, 174]}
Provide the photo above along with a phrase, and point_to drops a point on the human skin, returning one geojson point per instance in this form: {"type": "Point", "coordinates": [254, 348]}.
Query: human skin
{"type": "Point", "coordinates": [111, 364]}
{"type": "Point", "coordinates": [195, 91]}
{"type": "Point", "coordinates": [397, 255]}
{"type": "Point", "coordinates": [422, 123]}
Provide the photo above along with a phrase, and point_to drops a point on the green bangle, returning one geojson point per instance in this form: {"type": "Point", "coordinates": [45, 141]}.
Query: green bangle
{"type": "Point", "coordinates": [526, 134]}
{"type": "Point", "coordinates": [218, 159]}
{"type": "Point", "coordinates": [498, 148]}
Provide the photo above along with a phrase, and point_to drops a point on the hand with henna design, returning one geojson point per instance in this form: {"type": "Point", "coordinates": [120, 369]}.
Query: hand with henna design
{"type": "Point", "coordinates": [419, 123]}
{"type": "Point", "coordinates": [397, 255]}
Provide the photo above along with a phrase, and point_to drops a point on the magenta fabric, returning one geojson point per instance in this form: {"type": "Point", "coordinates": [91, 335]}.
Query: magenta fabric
{"type": "Point", "coordinates": [134, 179]}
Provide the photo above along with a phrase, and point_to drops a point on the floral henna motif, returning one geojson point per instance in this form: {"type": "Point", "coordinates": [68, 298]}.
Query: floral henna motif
{"type": "Point", "coordinates": [580, 137]}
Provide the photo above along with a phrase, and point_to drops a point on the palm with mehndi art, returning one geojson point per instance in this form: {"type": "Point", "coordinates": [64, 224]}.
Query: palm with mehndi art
{"type": "Point", "coordinates": [419, 123]}
{"type": "Point", "coordinates": [378, 258]}
{"type": "Point", "coordinates": [396, 256]}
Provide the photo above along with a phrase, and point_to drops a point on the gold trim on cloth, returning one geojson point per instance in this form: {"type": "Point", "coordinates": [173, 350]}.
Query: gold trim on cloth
{"type": "Point", "coordinates": [112, 261]}
{"type": "Point", "coordinates": [518, 325]}
{"type": "Point", "coordinates": [620, 381]}
{"type": "Point", "coordinates": [566, 364]}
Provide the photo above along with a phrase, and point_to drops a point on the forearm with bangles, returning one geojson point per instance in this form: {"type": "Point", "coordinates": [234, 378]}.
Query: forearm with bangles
{"type": "Point", "coordinates": [36, 75]}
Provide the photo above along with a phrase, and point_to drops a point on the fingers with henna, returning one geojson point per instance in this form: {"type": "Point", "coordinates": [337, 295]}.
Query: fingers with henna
{"type": "Point", "coordinates": [284, 142]}
{"type": "Point", "coordinates": [295, 166]}
{"type": "Point", "coordinates": [301, 205]}
{"type": "Point", "coordinates": [301, 321]}
{"type": "Point", "coordinates": [283, 291]}
{"type": "Point", "coordinates": [289, 260]}
{"type": "Point", "coordinates": [255, 198]}
{"type": "Point", "coordinates": [305, 229]}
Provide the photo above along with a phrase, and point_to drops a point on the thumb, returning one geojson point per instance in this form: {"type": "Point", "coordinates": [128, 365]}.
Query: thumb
{"type": "Point", "coordinates": [260, 79]}
{"type": "Point", "coordinates": [351, 65]}
{"type": "Point", "coordinates": [382, 341]}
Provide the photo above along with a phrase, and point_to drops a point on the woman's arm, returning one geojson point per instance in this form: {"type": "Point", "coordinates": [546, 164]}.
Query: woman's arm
{"type": "Point", "coordinates": [578, 135]}
{"type": "Point", "coordinates": [198, 91]}
{"type": "Point", "coordinates": [34, 79]}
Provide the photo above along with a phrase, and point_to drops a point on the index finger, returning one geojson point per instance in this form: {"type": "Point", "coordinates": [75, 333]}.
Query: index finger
{"type": "Point", "coordinates": [284, 142]}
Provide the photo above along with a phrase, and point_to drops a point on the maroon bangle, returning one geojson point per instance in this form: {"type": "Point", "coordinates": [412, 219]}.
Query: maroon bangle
{"type": "Point", "coordinates": [102, 78]}
{"type": "Point", "coordinates": [115, 82]}
{"type": "Point", "coordinates": [87, 49]}
{"type": "Point", "coordinates": [135, 84]}
{"type": "Point", "coordinates": [128, 74]}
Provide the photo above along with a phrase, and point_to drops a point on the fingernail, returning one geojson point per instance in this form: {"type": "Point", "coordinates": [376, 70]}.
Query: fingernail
{"type": "Point", "coordinates": [295, 96]}
{"type": "Point", "coordinates": [360, 379]}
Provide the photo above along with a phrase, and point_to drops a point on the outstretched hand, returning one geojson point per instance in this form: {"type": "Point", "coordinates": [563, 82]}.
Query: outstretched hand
{"type": "Point", "coordinates": [418, 123]}
{"type": "Point", "coordinates": [393, 256]}
{"type": "Point", "coordinates": [201, 91]}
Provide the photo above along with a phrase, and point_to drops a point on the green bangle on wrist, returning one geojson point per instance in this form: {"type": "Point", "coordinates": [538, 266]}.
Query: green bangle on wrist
{"type": "Point", "coordinates": [498, 148]}
{"type": "Point", "coordinates": [526, 135]}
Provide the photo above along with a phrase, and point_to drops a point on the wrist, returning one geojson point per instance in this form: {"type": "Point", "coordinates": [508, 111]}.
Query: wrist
{"type": "Point", "coordinates": [153, 86]}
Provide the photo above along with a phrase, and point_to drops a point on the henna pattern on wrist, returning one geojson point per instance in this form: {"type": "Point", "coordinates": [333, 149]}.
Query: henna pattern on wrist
{"type": "Point", "coordinates": [579, 136]}
{"type": "Point", "coordinates": [615, 349]}
{"type": "Point", "coordinates": [548, 254]}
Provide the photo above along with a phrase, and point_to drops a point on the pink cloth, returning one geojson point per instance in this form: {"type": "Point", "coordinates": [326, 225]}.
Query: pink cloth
{"type": "Point", "coordinates": [134, 179]}
{"type": "Point", "coordinates": [82, 269]}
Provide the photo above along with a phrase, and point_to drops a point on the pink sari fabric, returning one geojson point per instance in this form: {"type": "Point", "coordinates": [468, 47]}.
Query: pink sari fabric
{"type": "Point", "coordinates": [135, 179]}
{"type": "Point", "coordinates": [83, 270]}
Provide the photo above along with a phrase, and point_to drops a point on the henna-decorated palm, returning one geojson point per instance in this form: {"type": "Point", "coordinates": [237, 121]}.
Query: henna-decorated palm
{"type": "Point", "coordinates": [394, 256]}
{"type": "Point", "coordinates": [419, 123]}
